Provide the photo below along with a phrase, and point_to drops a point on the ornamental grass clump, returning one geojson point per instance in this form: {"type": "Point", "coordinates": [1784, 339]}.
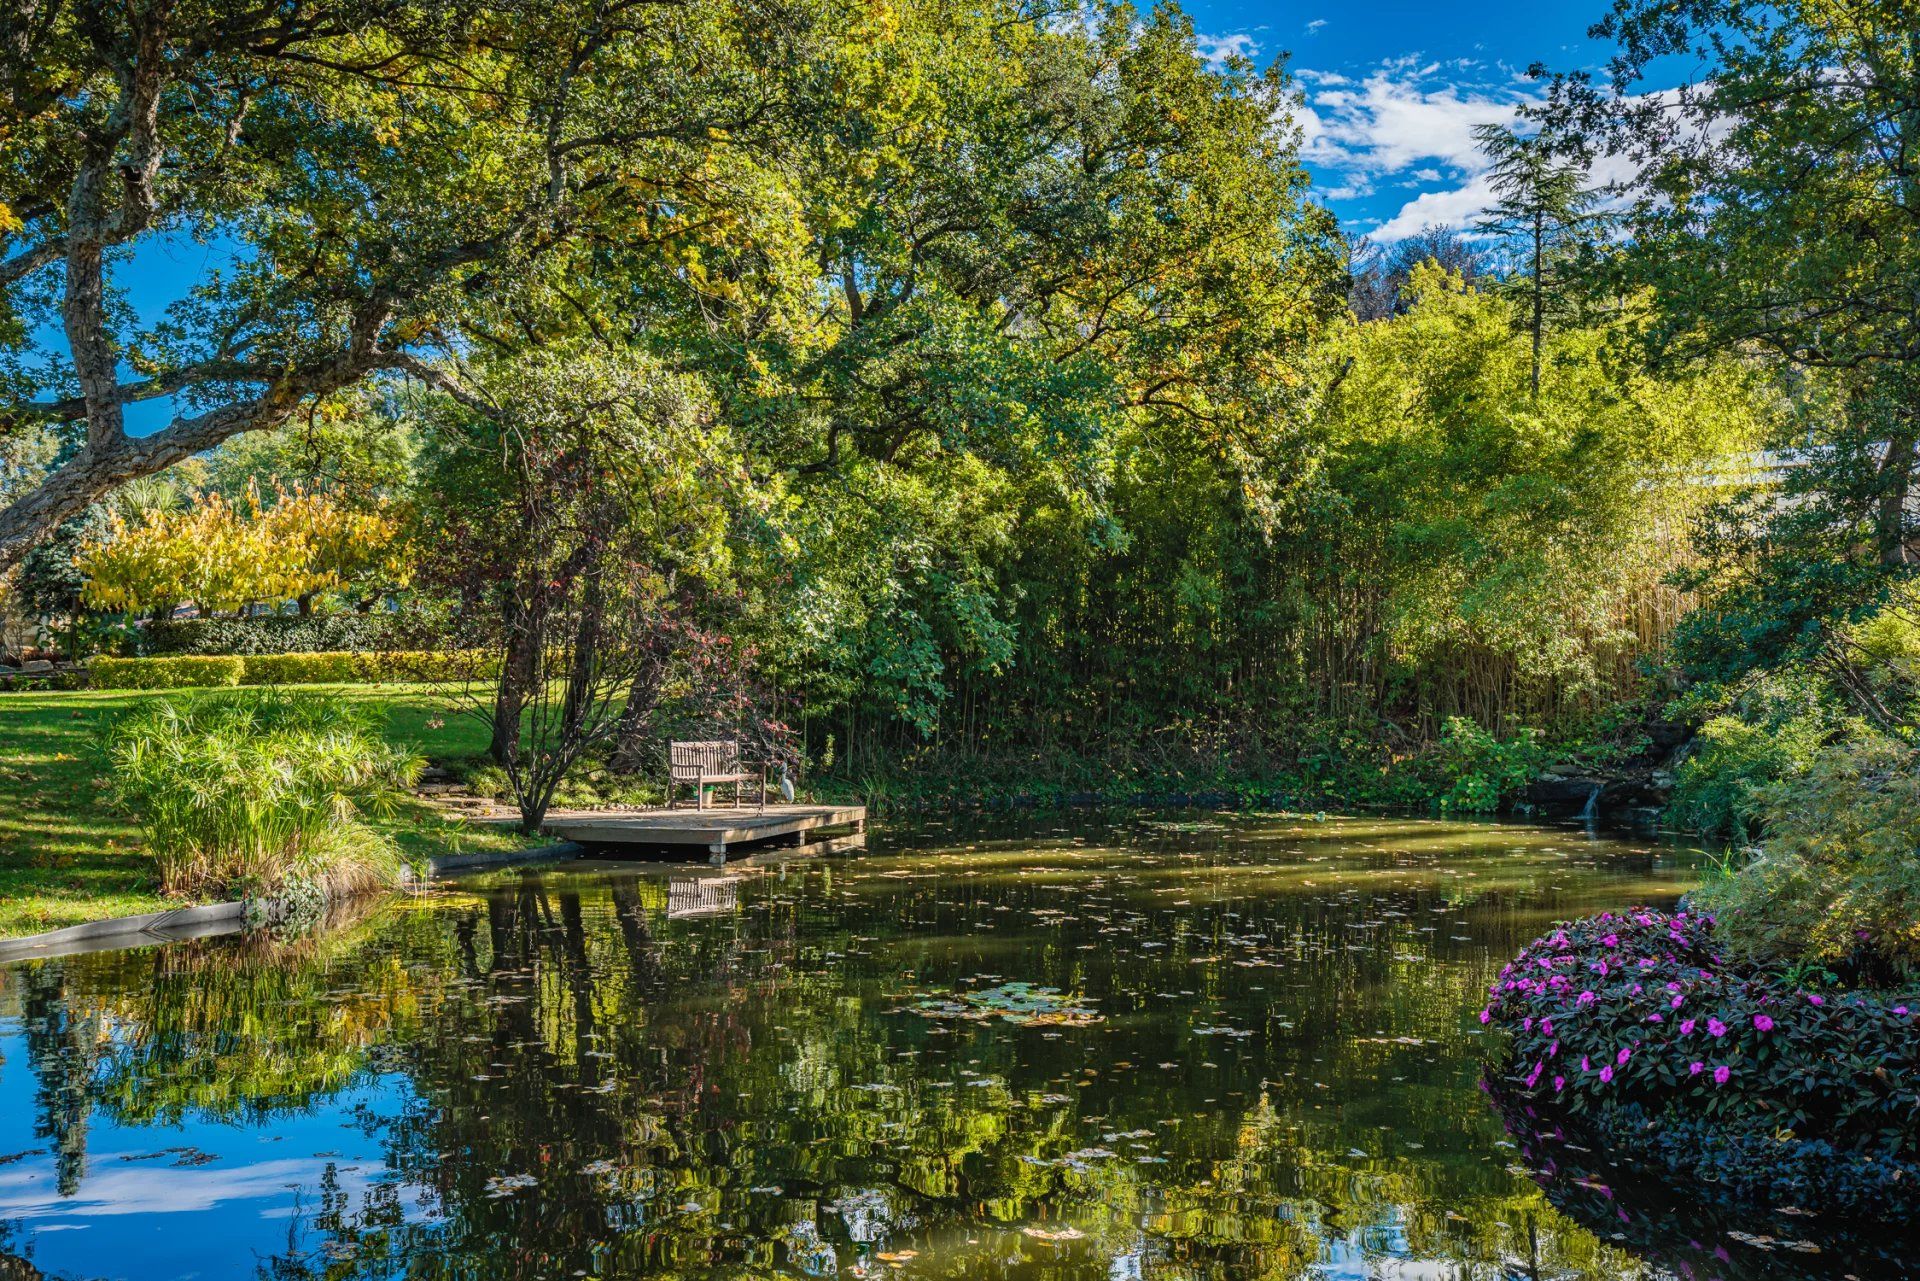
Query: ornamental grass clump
{"type": "Point", "coordinates": [1642, 1008]}
{"type": "Point", "coordinates": [250, 792]}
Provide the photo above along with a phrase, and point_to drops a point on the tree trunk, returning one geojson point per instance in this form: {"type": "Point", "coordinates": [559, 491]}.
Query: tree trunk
{"type": "Point", "coordinates": [519, 667]}
{"type": "Point", "coordinates": [1539, 295]}
{"type": "Point", "coordinates": [586, 659]}
{"type": "Point", "coordinates": [1896, 482]}
{"type": "Point", "coordinates": [634, 729]}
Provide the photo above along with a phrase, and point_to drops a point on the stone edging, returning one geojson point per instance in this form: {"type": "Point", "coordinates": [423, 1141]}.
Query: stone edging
{"type": "Point", "coordinates": [121, 931]}
{"type": "Point", "coordinates": [179, 923]}
{"type": "Point", "coordinates": [502, 858]}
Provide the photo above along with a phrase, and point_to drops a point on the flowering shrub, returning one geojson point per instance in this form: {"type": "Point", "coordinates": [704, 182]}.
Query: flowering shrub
{"type": "Point", "coordinates": [1640, 1007]}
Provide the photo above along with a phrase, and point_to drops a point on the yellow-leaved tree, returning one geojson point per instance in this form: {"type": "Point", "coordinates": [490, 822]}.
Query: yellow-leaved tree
{"type": "Point", "coordinates": [225, 556]}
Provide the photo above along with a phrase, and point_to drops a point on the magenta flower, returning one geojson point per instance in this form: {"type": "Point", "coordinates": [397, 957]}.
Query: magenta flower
{"type": "Point", "coordinates": [1559, 1082]}
{"type": "Point", "coordinates": [1762, 1023]}
{"type": "Point", "coordinates": [1686, 1027]}
{"type": "Point", "coordinates": [1721, 1073]}
{"type": "Point", "coordinates": [1486, 1016]}
{"type": "Point", "coordinates": [1585, 998]}
{"type": "Point", "coordinates": [1546, 1027]}
{"type": "Point", "coordinates": [1816, 1000]}
{"type": "Point", "coordinates": [1622, 1057]}
{"type": "Point", "coordinates": [1716, 1027]}
{"type": "Point", "coordinates": [1695, 1068]}
{"type": "Point", "coordinates": [1606, 1074]}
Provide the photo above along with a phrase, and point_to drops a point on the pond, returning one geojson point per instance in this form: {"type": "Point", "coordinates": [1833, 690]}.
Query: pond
{"type": "Point", "coordinates": [1096, 1047]}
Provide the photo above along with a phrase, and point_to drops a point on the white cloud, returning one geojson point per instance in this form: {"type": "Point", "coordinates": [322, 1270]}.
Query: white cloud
{"type": "Point", "coordinates": [1313, 28]}
{"type": "Point", "coordinates": [1407, 120]}
{"type": "Point", "coordinates": [1217, 49]}
{"type": "Point", "coordinates": [1459, 207]}
{"type": "Point", "coordinates": [1402, 115]}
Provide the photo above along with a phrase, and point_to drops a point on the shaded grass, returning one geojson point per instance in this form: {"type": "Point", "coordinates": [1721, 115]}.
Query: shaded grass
{"type": "Point", "coordinates": [67, 857]}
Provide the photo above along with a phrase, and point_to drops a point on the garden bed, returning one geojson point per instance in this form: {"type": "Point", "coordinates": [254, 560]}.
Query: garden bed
{"type": "Point", "coordinates": [1634, 1029]}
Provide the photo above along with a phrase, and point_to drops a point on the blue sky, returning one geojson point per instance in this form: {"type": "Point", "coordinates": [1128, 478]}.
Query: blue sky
{"type": "Point", "coordinates": [1394, 87]}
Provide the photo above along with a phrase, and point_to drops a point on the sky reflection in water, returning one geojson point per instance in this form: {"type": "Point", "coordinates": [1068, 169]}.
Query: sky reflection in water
{"type": "Point", "coordinates": [1259, 1059]}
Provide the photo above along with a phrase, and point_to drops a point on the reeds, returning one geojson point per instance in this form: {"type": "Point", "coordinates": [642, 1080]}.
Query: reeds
{"type": "Point", "coordinates": [249, 791]}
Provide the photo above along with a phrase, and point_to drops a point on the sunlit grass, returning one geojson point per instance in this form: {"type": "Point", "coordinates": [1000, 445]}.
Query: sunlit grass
{"type": "Point", "coordinates": [67, 857]}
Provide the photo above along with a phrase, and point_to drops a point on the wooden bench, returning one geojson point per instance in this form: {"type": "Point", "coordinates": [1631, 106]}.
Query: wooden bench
{"type": "Point", "coordinates": [711, 764]}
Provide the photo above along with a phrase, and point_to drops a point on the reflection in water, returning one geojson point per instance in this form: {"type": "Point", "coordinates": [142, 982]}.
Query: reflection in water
{"type": "Point", "coordinates": [1270, 1069]}
{"type": "Point", "coordinates": [1686, 1228]}
{"type": "Point", "coordinates": [689, 896]}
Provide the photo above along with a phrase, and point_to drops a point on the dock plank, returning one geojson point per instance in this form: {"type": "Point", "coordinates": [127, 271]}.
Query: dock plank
{"type": "Point", "coordinates": [713, 830]}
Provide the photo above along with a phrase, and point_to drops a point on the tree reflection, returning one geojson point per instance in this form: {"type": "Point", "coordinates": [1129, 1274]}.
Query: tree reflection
{"type": "Point", "coordinates": [600, 1084]}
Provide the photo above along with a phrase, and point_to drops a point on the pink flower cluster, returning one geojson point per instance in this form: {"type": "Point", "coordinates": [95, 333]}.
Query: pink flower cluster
{"type": "Point", "coordinates": [1594, 978]}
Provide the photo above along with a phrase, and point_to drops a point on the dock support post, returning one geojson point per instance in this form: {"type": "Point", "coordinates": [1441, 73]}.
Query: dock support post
{"type": "Point", "coordinates": [717, 853]}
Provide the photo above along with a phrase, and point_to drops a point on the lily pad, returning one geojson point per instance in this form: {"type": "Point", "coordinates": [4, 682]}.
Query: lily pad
{"type": "Point", "coordinates": [1019, 1003]}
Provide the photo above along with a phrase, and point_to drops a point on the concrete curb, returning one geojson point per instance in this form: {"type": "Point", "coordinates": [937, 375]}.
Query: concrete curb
{"type": "Point", "coordinates": [176, 924]}
{"type": "Point", "coordinates": [503, 858]}
{"type": "Point", "coordinates": [128, 931]}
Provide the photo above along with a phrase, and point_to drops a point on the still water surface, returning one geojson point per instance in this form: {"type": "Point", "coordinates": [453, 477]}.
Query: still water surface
{"type": "Point", "coordinates": [1259, 1060]}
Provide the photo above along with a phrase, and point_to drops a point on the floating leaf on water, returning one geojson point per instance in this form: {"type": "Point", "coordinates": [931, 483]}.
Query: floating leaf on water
{"type": "Point", "coordinates": [1018, 1003]}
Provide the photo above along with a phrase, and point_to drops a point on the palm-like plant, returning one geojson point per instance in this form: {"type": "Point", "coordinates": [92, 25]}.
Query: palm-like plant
{"type": "Point", "coordinates": [252, 790]}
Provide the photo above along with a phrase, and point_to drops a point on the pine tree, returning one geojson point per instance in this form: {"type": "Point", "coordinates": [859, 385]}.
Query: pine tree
{"type": "Point", "coordinates": [1541, 201]}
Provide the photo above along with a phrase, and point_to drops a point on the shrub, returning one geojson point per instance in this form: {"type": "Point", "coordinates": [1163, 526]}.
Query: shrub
{"type": "Point", "coordinates": [290, 669]}
{"type": "Point", "coordinates": [1640, 1008]}
{"type": "Point", "coordinates": [269, 634]}
{"type": "Point", "coordinates": [1478, 769]}
{"type": "Point", "coordinates": [164, 673]}
{"type": "Point", "coordinates": [1717, 788]}
{"type": "Point", "coordinates": [250, 792]}
{"type": "Point", "coordinates": [310, 669]}
{"type": "Point", "coordinates": [405, 665]}
{"type": "Point", "coordinates": [1838, 882]}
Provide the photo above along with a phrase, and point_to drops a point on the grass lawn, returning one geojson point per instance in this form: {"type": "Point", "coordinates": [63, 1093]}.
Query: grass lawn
{"type": "Point", "coordinates": [67, 857]}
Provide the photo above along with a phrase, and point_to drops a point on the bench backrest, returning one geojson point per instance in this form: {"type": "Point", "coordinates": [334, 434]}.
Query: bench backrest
{"type": "Point", "coordinates": [718, 757]}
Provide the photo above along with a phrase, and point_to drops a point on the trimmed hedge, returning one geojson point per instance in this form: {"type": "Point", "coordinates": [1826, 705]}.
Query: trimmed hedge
{"type": "Point", "coordinates": [268, 634]}
{"type": "Point", "coordinates": [1639, 1007]}
{"type": "Point", "coordinates": [165, 673]}
{"type": "Point", "coordinates": [287, 669]}
{"type": "Point", "coordinates": [404, 665]}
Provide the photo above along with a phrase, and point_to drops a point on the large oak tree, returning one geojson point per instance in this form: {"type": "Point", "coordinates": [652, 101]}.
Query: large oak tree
{"type": "Point", "coordinates": [381, 170]}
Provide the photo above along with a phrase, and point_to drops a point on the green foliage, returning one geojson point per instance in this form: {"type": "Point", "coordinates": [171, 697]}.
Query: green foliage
{"type": "Point", "coordinates": [248, 792]}
{"type": "Point", "coordinates": [336, 668]}
{"type": "Point", "coordinates": [1783, 225]}
{"type": "Point", "coordinates": [1718, 788]}
{"type": "Point", "coordinates": [368, 668]}
{"type": "Point", "coordinates": [269, 634]}
{"type": "Point", "coordinates": [1838, 881]}
{"type": "Point", "coordinates": [1479, 771]}
{"type": "Point", "coordinates": [165, 673]}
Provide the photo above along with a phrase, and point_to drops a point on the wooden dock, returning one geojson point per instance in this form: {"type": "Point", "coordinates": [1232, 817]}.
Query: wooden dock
{"type": "Point", "coordinates": [712, 831]}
